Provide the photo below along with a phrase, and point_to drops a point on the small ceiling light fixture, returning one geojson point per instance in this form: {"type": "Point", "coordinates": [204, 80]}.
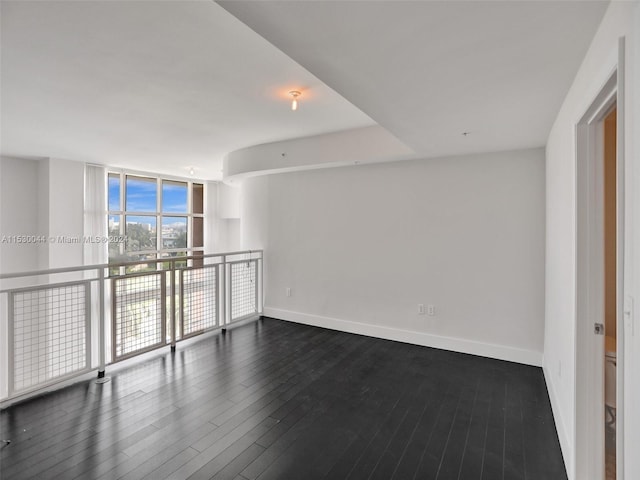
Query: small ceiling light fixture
{"type": "Point", "coordinates": [192, 171]}
{"type": "Point", "coordinates": [294, 103]}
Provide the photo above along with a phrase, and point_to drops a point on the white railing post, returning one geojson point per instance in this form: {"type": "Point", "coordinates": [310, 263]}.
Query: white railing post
{"type": "Point", "coordinates": [260, 278]}
{"type": "Point", "coordinates": [223, 293]}
{"type": "Point", "coordinates": [101, 326]}
{"type": "Point", "coordinates": [172, 305]}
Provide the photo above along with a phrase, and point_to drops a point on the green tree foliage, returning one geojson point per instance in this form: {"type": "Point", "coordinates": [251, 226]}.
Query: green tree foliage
{"type": "Point", "coordinates": [139, 237]}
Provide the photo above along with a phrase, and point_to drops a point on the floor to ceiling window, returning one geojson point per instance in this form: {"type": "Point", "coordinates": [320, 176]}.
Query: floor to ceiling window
{"type": "Point", "coordinates": [158, 218]}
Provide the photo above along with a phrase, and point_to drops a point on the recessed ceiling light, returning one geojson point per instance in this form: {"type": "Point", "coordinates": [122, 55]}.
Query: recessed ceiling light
{"type": "Point", "coordinates": [465, 134]}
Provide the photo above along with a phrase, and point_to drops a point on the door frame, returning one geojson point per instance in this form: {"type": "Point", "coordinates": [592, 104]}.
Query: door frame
{"type": "Point", "coordinates": [589, 352]}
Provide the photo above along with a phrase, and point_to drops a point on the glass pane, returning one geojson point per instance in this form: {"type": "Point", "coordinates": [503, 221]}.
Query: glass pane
{"type": "Point", "coordinates": [174, 232]}
{"type": "Point", "coordinates": [114, 225]}
{"type": "Point", "coordinates": [198, 237]}
{"type": "Point", "coordinates": [198, 198]}
{"type": "Point", "coordinates": [140, 232]}
{"type": "Point", "coordinates": [114, 191]}
{"type": "Point", "coordinates": [142, 194]}
{"type": "Point", "coordinates": [174, 197]}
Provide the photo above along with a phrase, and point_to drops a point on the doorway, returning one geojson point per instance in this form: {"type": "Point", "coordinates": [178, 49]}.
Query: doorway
{"type": "Point", "coordinates": [599, 286]}
{"type": "Point", "coordinates": [610, 289]}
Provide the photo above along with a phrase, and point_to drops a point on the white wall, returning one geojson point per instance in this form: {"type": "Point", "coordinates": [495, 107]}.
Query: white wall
{"type": "Point", "coordinates": [228, 201]}
{"type": "Point", "coordinates": [18, 213]}
{"type": "Point", "coordinates": [66, 212]}
{"type": "Point", "coordinates": [632, 340]}
{"type": "Point", "coordinates": [42, 213]}
{"type": "Point", "coordinates": [222, 225]}
{"type": "Point", "coordinates": [560, 323]}
{"type": "Point", "coordinates": [361, 247]}
{"type": "Point", "coordinates": [228, 218]}
{"type": "Point", "coordinates": [254, 213]}
{"type": "Point", "coordinates": [41, 198]}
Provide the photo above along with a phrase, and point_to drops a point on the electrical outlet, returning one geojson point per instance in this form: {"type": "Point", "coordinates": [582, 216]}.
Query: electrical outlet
{"type": "Point", "coordinates": [431, 310]}
{"type": "Point", "coordinates": [421, 309]}
{"type": "Point", "coordinates": [288, 291]}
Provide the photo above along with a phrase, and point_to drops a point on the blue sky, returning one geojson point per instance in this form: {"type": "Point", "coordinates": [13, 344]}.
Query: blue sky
{"type": "Point", "coordinates": [174, 198]}
{"type": "Point", "coordinates": [142, 195]}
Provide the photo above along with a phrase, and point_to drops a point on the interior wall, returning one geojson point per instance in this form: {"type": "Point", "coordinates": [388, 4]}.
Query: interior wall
{"type": "Point", "coordinates": [361, 247]}
{"type": "Point", "coordinates": [18, 213]}
{"type": "Point", "coordinates": [42, 199]}
{"type": "Point", "coordinates": [42, 213]}
{"type": "Point", "coordinates": [560, 313]}
{"type": "Point", "coordinates": [228, 218]}
{"type": "Point", "coordinates": [222, 223]}
{"type": "Point", "coordinates": [632, 240]}
{"type": "Point", "coordinates": [66, 213]}
{"type": "Point", "coordinates": [254, 214]}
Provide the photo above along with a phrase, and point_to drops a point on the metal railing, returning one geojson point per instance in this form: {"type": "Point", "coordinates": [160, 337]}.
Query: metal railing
{"type": "Point", "coordinates": [61, 323]}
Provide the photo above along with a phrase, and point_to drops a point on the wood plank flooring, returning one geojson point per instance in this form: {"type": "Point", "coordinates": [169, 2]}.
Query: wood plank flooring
{"type": "Point", "coordinates": [277, 400]}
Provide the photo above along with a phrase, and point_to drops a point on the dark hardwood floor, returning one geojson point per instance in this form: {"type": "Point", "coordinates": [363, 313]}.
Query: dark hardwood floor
{"type": "Point", "coordinates": [278, 400]}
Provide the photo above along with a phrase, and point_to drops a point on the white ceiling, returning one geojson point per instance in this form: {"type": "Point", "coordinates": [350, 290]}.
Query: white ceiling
{"type": "Point", "coordinates": [428, 71]}
{"type": "Point", "coordinates": [157, 86]}
{"type": "Point", "coordinates": [165, 86]}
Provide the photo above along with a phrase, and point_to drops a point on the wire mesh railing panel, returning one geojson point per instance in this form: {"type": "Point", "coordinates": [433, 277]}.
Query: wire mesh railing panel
{"type": "Point", "coordinates": [61, 323]}
{"type": "Point", "coordinates": [138, 313]}
{"type": "Point", "coordinates": [199, 299]}
{"type": "Point", "coordinates": [243, 289]}
{"type": "Point", "coordinates": [50, 334]}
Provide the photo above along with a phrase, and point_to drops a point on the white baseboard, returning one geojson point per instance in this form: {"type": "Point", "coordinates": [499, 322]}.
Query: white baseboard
{"type": "Point", "coordinates": [500, 352]}
{"type": "Point", "coordinates": [561, 429]}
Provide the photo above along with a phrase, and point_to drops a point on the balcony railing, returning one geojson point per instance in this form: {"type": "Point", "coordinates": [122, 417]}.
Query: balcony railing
{"type": "Point", "coordinates": [62, 323]}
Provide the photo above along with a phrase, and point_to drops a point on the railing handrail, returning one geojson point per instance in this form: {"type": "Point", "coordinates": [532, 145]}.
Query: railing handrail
{"type": "Point", "coordinates": [81, 268]}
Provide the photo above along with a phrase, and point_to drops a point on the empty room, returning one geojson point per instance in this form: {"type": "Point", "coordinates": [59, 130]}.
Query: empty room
{"type": "Point", "coordinates": [376, 239]}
